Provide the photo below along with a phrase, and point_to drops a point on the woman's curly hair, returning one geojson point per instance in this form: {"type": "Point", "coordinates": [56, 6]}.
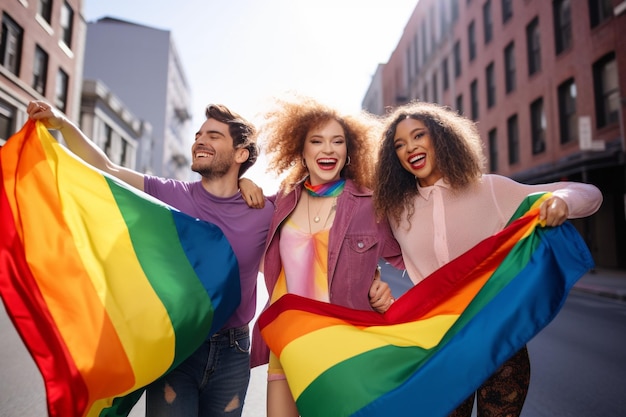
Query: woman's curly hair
{"type": "Point", "coordinates": [285, 128]}
{"type": "Point", "coordinates": [458, 155]}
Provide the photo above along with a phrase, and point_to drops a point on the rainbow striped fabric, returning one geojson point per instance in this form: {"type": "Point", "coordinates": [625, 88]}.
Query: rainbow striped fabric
{"type": "Point", "coordinates": [441, 339]}
{"type": "Point", "coordinates": [108, 288]}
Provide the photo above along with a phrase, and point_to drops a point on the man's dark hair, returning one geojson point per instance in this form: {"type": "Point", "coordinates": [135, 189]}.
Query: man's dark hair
{"type": "Point", "coordinates": [242, 132]}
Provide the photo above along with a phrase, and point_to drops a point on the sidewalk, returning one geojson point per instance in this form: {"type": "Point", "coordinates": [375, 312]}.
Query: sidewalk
{"type": "Point", "coordinates": [603, 282]}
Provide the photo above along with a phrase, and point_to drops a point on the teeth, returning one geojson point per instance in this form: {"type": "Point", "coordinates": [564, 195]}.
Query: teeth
{"type": "Point", "coordinates": [326, 161]}
{"type": "Point", "coordinates": [418, 158]}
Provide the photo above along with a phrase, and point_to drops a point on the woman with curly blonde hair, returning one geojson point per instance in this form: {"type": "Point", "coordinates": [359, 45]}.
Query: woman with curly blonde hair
{"type": "Point", "coordinates": [430, 185]}
{"type": "Point", "coordinates": [324, 241]}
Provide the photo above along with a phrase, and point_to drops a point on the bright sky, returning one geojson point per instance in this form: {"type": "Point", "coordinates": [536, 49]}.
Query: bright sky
{"type": "Point", "coordinates": [241, 52]}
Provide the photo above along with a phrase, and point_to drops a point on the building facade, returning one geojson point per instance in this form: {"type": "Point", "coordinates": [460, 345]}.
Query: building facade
{"type": "Point", "coordinates": [544, 80]}
{"type": "Point", "coordinates": [373, 100]}
{"type": "Point", "coordinates": [141, 66]}
{"type": "Point", "coordinates": [41, 58]}
{"type": "Point", "coordinates": [111, 125]}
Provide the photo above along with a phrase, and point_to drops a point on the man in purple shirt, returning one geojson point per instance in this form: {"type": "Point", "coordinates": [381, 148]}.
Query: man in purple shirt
{"type": "Point", "coordinates": [213, 381]}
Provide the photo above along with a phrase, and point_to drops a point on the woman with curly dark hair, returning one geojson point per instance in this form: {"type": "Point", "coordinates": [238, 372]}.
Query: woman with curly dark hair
{"type": "Point", "coordinates": [324, 241]}
{"type": "Point", "coordinates": [431, 186]}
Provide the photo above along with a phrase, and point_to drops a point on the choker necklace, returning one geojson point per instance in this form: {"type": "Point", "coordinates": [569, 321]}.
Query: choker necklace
{"type": "Point", "coordinates": [329, 189]}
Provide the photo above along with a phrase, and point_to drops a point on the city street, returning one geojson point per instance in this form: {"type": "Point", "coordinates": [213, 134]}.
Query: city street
{"type": "Point", "coordinates": [451, 111]}
{"type": "Point", "coordinates": [578, 362]}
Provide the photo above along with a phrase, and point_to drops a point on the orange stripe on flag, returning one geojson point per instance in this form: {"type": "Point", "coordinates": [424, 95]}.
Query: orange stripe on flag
{"type": "Point", "coordinates": [82, 337]}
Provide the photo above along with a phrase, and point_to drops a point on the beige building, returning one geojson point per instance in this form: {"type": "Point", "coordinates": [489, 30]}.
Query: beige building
{"type": "Point", "coordinates": [112, 126]}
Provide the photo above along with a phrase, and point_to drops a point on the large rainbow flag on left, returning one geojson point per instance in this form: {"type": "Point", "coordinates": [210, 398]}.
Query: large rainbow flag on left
{"type": "Point", "coordinates": [108, 288]}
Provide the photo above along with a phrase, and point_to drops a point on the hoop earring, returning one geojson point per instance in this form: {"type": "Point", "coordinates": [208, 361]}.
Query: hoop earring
{"type": "Point", "coordinates": [303, 162]}
{"type": "Point", "coordinates": [347, 161]}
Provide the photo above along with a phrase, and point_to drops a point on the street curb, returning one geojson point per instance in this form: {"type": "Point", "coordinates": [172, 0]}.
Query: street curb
{"type": "Point", "coordinates": [601, 291]}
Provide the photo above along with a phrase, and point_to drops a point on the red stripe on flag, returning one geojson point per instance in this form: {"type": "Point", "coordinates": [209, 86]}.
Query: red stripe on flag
{"type": "Point", "coordinates": [31, 318]}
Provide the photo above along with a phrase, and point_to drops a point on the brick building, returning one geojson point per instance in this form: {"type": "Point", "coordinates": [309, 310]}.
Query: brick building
{"type": "Point", "coordinates": [41, 57]}
{"type": "Point", "coordinates": [544, 80]}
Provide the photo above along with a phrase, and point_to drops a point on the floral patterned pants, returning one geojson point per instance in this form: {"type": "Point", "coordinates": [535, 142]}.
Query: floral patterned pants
{"type": "Point", "coordinates": [504, 393]}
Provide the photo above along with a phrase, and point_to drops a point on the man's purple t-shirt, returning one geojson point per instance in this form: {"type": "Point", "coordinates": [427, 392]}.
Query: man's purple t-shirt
{"type": "Point", "coordinates": [244, 227]}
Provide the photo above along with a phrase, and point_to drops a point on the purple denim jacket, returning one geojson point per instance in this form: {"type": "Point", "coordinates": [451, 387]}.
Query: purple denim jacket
{"type": "Point", "coordinates": [356, 244]}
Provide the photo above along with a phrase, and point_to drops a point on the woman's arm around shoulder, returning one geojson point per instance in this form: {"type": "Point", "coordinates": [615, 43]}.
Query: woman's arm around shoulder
{"type": "Point", "coordinates": [391, 251]}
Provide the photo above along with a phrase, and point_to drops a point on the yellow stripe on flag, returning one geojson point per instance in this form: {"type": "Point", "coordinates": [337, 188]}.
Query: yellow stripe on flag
{"type": "Point", "coordinates": [141, 329]}
{"type": "Point", "coordinates": [350, 341]}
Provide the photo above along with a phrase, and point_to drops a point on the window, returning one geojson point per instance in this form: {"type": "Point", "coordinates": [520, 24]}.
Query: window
{"type": "Point", "coordinates": [409, 72]}
{"type": "Point", "coordinates": [471, 40]}
{"type": "Point", "coordinates": [444, 74]}
{"type": "Point", "coordinates": [435, 83]}
{"type": "Point", "coordinates": [7, 121]}
{"type": "Point", "coordinates": [599, 11]}
{"type": "Point", "coordinates": [402, 93]}
{"type": "Point", "coordinates": [562, 25]}
{"type": "Point", "coordinates": [416, 54]}
{"type": "Point", "coordinates": [474, 98]}
{"type": "Point", "coordinates": [507, 10]}
{"type": "Point", "coordinates": [567, 112]}
{"type": "Point", "coordinates": [44, 9]}
{"type": "Point", "coordinates": [513, 139]}
{"type": "Point", "coordinates": [454, 10]}
{"type": "Point", "coordinates": [60, 96]}
{"type": "Point", "coordinates": [457, 59]}
{"type": "Point", "coordinates": [534, 46]}
{"type": "Point", "coordinates": [40, 70]}
{"type": "Point", "coordinates": [11, 45]}
{"type": "Point", "coordinates": [493, 150]}
{"type": "Point", "coordinates": [424, 43]}
{"type": "Point", "coordinates": [443, 19]}
{"type": "Point", "coordinates": [606, 90]}
{"type": "Point", "coordinates": [490, 81]}
{"type": "Point", "coordinates": [432, 21]}
{"type": "Point", "coordinates": [124, 157]}
{"type": "Point", "coordinates": [487, 21]}
{"type": "Point", "coordinates": [459, 104]}
{"type": "Point", "coordinates": [538, 126]}
{"type": "Point", "coordinates": [67, 24]}
{"type": "Point", "coordinates": [509, 67]}
{"type": "Point", "coordinates": [108, 140]}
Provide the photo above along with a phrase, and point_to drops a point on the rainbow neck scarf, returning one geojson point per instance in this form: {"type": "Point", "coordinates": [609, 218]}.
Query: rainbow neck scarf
{"type": "Point", "coordinates": [329, 189]}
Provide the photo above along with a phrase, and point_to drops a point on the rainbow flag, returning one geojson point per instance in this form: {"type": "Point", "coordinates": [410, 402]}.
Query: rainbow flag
{"type": "Point", "coordinates": [441, 339]}
{"type": "Point", "coordinates": [107, 287]}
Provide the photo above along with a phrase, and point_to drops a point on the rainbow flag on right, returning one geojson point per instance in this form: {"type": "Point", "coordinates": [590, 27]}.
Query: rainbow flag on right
{"type": "Point", "coordinates": [441, 339]}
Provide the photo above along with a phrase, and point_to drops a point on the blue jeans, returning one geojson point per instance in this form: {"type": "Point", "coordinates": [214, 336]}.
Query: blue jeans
{"type": "Point", "coordinates": [212, 382]}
